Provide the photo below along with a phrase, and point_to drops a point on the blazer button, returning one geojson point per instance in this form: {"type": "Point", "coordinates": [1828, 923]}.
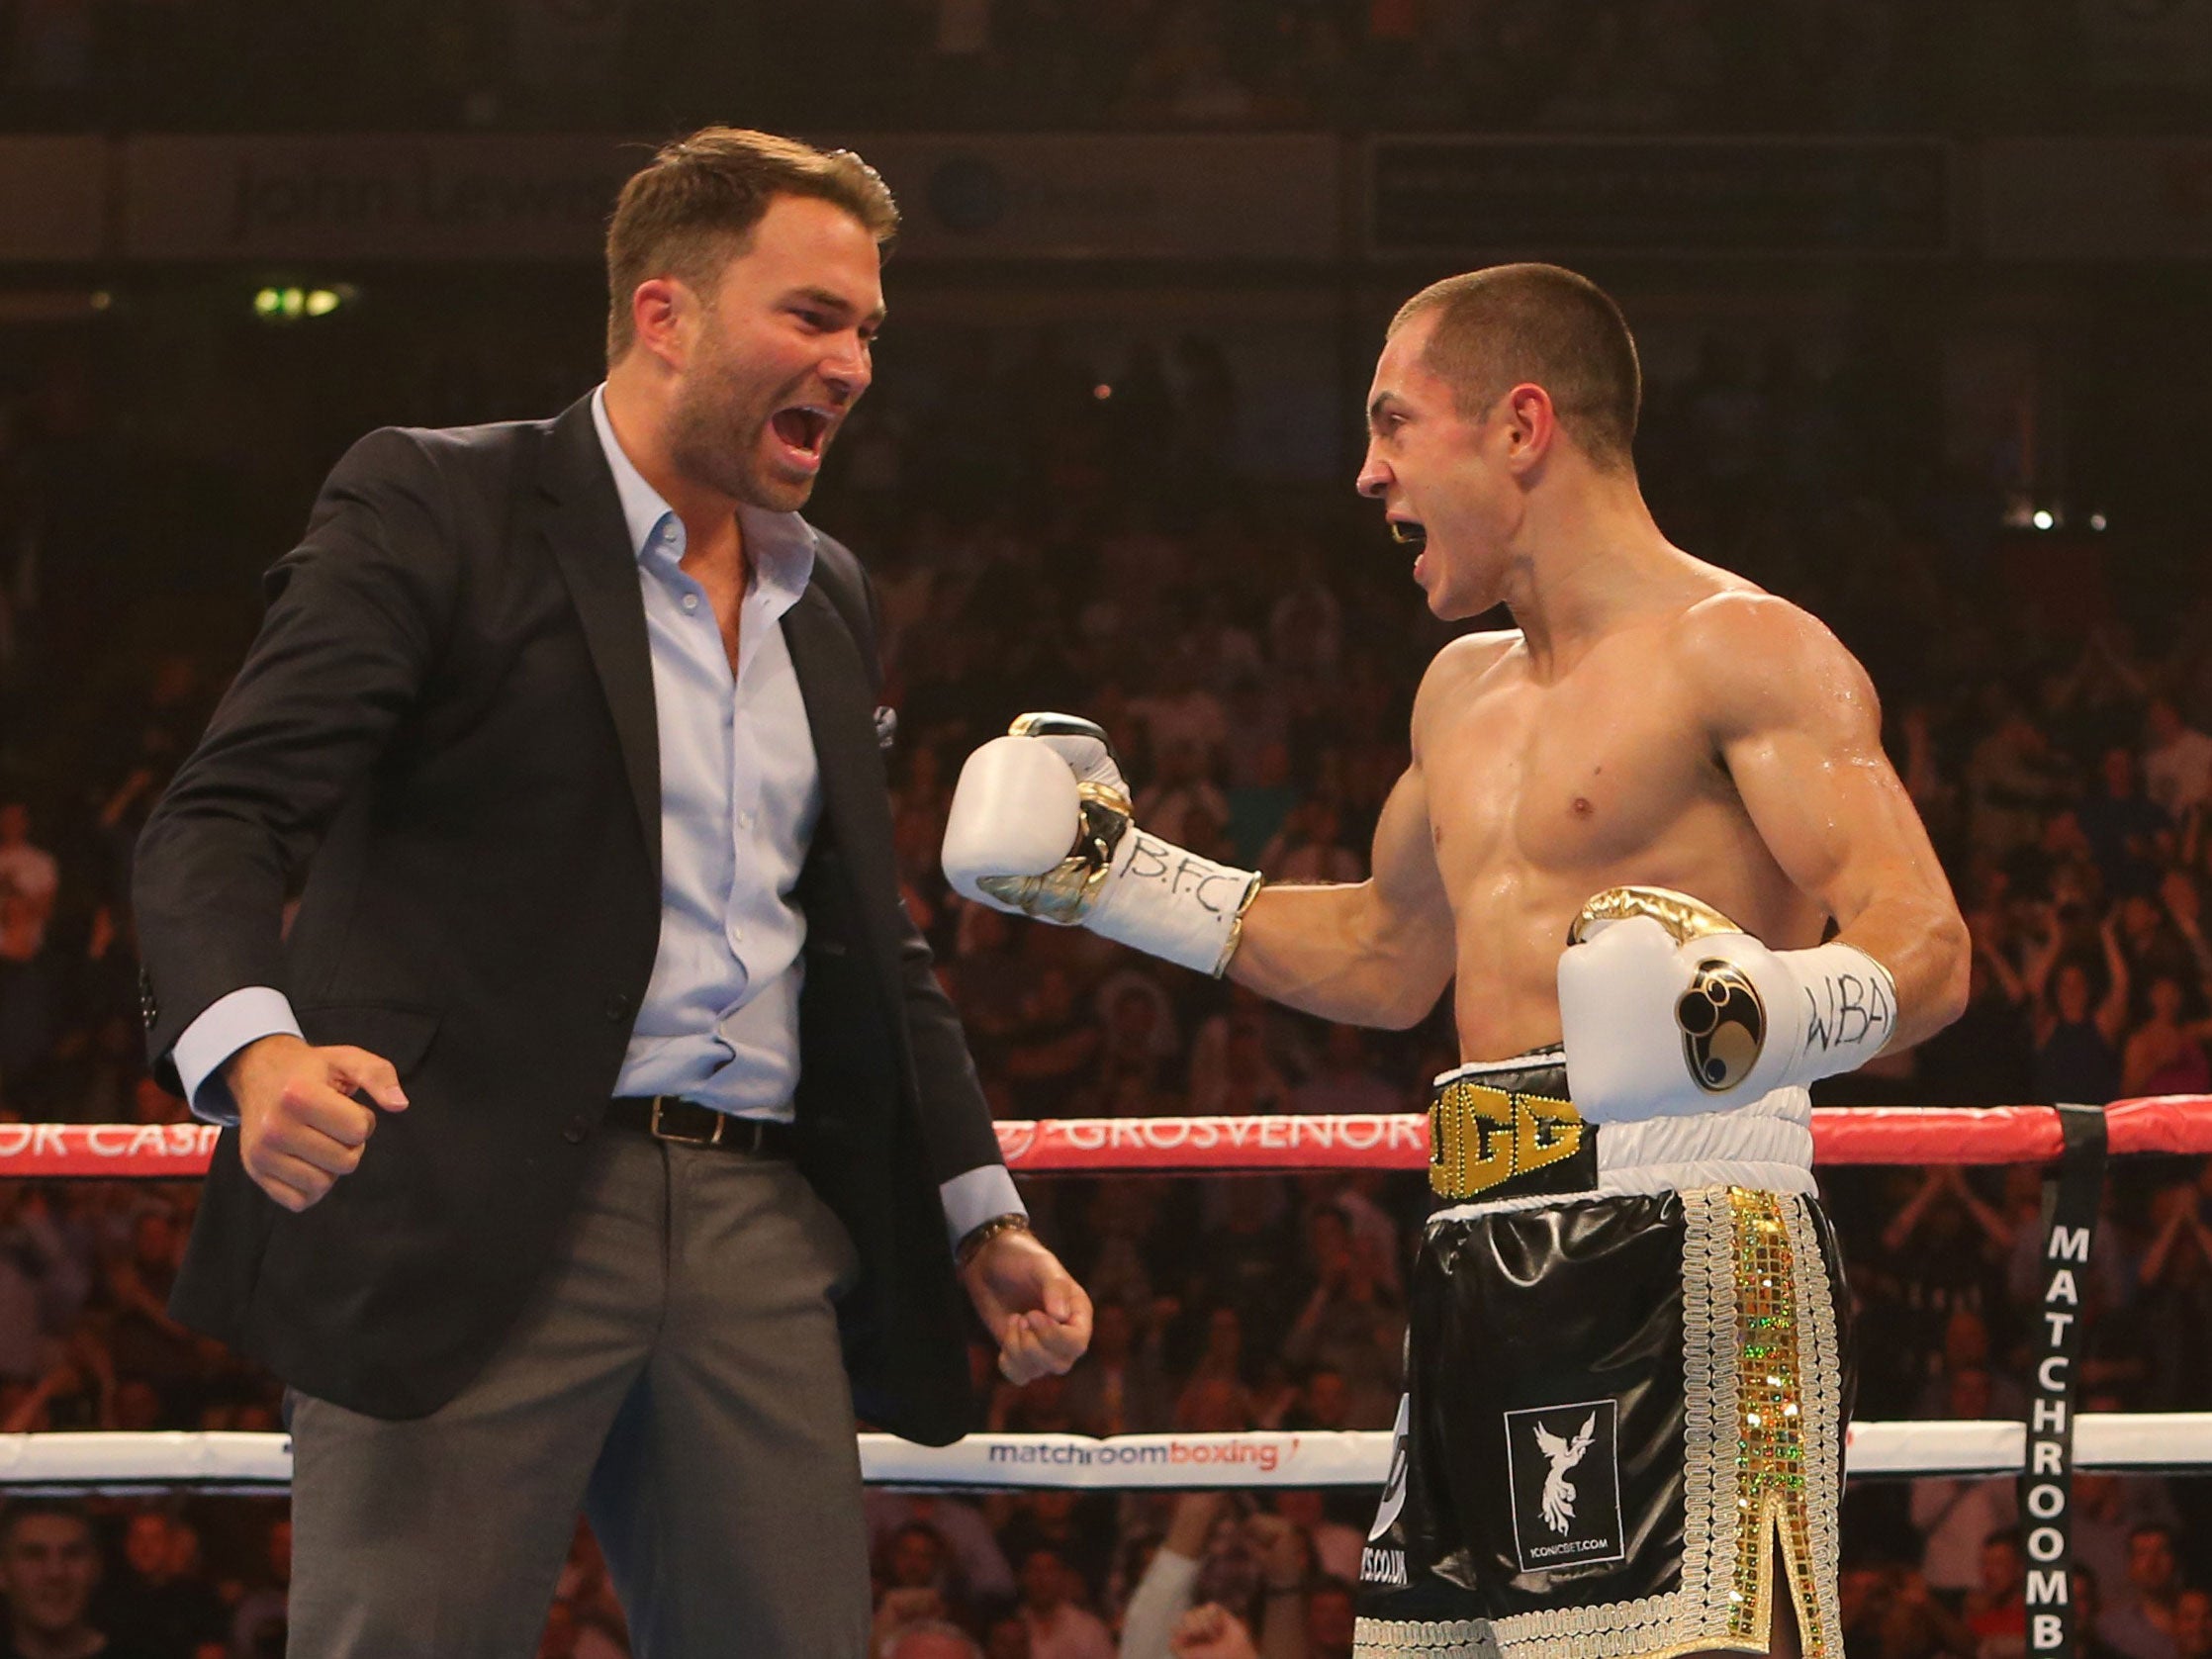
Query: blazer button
{"type": "Point", "coordinates": [618, 1007]}
{"type": "Point", "coordinates": [576, 1128]}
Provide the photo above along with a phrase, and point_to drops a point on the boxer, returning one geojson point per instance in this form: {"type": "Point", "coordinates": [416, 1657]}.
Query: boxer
{"type": "Point", "coordinates": [1627, 826]}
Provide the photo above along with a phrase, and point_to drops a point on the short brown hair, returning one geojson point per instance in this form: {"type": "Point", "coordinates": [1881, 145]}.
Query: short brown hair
{"type": "Point", "coordinates": [1548, 327]}
{"type": "Point", "coordinates": [692, 209]}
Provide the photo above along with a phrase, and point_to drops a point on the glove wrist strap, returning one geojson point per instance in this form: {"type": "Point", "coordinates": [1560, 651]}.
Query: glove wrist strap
{"type": "Point", "coordinates": [1843, 1012]}
{"type": "Point", "coordinates": [1169, 902]}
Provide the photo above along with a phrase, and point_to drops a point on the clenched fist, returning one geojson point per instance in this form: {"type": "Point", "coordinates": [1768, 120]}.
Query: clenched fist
{"type": "Point", "coordinates": [1667, 1008]}
{"type": "Point", "coordinates": [299, 1126]}
{"type": "Point", "coordinates": [1039, 826]}
{"type": "Point", "coordinates": [1039, 1315]}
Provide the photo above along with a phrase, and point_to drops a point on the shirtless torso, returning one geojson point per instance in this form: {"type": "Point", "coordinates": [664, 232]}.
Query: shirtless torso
{"type": "Point", "coordinates": [1539, 796]}
{"type": "Point", "coordinates": [1711, 739]}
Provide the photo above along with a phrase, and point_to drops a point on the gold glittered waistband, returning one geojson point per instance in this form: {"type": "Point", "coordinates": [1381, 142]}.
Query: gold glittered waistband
{"type": "Point", "coordinates": [1486, 1142]}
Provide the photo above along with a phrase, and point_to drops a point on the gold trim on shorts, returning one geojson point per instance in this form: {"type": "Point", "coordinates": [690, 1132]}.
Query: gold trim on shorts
{"type": "Point", "coordinates": [1480, 1138]}
{"type": "Point", "coordinates": [1762, 1461]}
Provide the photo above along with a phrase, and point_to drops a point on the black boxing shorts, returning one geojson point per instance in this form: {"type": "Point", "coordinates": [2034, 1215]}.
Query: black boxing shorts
{"type": "Point", "coordinates": [1628, 1384]}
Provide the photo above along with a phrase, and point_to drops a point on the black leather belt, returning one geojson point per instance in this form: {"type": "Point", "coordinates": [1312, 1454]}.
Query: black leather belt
{"type": "Point", "coordinates": [666, 1117]}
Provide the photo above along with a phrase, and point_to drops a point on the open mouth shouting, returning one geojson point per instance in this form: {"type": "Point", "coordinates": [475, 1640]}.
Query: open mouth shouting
{"type": "Point", "coordinates": [802, 433]}
{"type": "Point", "coordinates": [1410, 533]}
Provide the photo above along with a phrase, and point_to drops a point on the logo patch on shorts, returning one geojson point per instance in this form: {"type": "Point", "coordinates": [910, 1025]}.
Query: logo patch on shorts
{"type": "Point", "coordinates": [1564, 1462]}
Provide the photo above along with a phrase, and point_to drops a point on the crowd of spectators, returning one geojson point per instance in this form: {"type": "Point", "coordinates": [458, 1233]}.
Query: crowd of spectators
{"type": "Point", "coordinates": [1483, 65]}
{"type": "Point", "coordinates": [1253, 653]}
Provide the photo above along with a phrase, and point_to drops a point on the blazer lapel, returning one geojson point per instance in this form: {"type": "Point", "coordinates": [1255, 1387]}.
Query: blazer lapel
{"type": "Point", "coordinates": [833, 682]}
{"type": "Point", "coordinates": [591, 543]}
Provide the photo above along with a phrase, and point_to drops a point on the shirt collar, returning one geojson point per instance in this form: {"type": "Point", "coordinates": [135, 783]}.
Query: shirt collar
{"type": "Point", "coordinates": [780, 545]}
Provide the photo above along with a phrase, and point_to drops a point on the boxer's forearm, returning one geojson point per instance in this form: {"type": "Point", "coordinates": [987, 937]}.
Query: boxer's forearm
{"type": "Point", "coordinates": [1339, 954]}
{"type": "Point", "coordinates": [1924, 944]}
{"type": "Point", "coordinates": [1373, 953]}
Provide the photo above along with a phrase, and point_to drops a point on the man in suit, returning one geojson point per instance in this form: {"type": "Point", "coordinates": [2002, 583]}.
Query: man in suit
{"type": "Point", "coordinates": [601, 1084]}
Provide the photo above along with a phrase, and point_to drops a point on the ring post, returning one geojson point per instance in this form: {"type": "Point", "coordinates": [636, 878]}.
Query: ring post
{"type": "Point", "coordinates": [2071, 1194]}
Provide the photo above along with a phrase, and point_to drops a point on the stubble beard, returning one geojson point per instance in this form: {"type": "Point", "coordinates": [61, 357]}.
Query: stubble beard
{"type": "Point", "coordinates": [716, 436]}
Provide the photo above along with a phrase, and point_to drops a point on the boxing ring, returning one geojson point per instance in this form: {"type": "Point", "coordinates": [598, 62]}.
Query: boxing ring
{"type": "Point", "coordinates": [2074, 1141]}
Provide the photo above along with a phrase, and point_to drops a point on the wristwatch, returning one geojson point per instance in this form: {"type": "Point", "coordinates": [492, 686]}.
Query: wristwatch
{"type": "Point", "coordinates": [984, 1231]}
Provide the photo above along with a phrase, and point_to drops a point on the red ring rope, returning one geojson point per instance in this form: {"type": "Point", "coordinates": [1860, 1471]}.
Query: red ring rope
{"type": "Point", "coordinates": [2177, 1123]}
{"type": "Point", "coordinates": [2172, 1123]}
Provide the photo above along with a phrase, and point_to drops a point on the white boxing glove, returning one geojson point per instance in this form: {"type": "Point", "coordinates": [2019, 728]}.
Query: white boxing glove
{"type": "Point", "coordinates": [1040, 826]}
{"type": "Point", "coordinates": [1668, 1009]}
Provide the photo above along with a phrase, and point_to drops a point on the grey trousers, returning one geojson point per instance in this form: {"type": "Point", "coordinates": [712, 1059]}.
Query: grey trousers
{"type": "Point", "coordinates": [677, 1377]}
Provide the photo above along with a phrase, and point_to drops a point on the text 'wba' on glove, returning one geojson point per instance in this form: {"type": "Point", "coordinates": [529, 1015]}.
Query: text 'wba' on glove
{"type": "Point", "coordinates": [1668, 1008]}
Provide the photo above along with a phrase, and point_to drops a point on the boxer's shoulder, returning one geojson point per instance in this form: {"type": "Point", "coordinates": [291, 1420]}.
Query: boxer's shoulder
{"type": "Point", "coordinates": [1466, 661]}
{"type": "Point", "coordinates": [1458, 671]}
{"type": "Point", "coordinates": [1750, 658]}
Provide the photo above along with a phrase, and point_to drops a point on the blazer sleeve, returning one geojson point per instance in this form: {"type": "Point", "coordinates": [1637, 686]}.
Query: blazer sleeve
{"type": "Point", "coordinates": [956, 1119]}
{"type": "Point", "coordinates": [357, 615]}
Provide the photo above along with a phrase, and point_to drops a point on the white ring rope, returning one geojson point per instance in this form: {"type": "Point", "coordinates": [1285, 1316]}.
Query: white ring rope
{"type": "Point", "coordinates": [246, 1462]}
{"type": "Point", "coordinates": [2180, 1441]}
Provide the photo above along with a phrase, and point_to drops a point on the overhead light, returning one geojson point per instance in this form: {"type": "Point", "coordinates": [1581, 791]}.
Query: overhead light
{"type": "Point", "coordinates": [2097, 520]}
{"type": "Point", "coordinates": [290, 303]}
{"type": "Point", "coordinates": [2042, 518]}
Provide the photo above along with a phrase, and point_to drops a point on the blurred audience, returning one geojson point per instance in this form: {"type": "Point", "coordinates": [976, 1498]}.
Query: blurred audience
{"type": "Point", "coordinates": [1253, 652]}
{"type": "Point", "coordinates": [1617, 67]}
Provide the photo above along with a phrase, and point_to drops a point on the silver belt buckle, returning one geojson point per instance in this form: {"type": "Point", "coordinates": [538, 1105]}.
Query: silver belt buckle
{"type": "Point", "coordinates": [713, 1138]}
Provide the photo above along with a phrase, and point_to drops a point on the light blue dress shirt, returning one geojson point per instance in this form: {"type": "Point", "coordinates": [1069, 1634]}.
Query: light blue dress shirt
{"type": "Point", "coordinates": [740, 794]}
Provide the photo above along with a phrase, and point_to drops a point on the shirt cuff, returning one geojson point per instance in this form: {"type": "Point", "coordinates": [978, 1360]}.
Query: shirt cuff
{"type": "Point", "coordinates": [227, 1025]}
{"type": "Point", "coordinates": [972, 1199]}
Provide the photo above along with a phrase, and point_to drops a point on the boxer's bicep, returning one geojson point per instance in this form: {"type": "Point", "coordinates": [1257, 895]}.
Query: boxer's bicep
{"type": "Point", "coordinates": [1378, 951]}
{"type": "Point", "coordinates": [1375, 952]}
{"type": "Point", "coordinates": [1797, 722]}
{"type": "Point", "coordinates": [1407, 882]}
{"type": "Point", "coordinates": [1409, 909]}
{"type": "Point", "coordinates": [1838, 822]}
{"type": "Point", "coordinates": [1799, 729]}
{"type": "Point", "coordinates": [1408, 888]}
{"type": "Point", "coordinates": [1807, 759]}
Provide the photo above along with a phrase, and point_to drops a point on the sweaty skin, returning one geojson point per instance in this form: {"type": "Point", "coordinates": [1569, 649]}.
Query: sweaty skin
{"type": "Point", "coordinates": [1657, 721]}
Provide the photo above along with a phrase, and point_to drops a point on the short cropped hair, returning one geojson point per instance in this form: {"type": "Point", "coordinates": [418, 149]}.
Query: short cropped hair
{"type": "Point", "coordinates": [693, 208]}
{"type": "Point", "coordinates": [1545, 326]}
